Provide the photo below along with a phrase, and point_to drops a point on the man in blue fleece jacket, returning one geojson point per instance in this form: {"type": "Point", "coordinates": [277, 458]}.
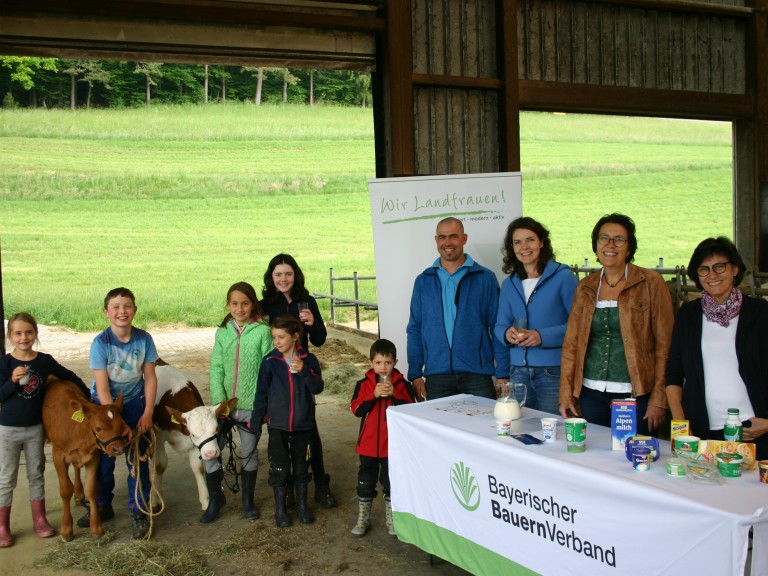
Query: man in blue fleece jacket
{"type": "Point", "coordinates": [450, 331]}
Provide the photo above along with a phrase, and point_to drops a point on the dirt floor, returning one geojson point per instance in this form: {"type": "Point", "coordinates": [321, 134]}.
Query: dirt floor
{"type": "Point", "coordinates": [252, 547]}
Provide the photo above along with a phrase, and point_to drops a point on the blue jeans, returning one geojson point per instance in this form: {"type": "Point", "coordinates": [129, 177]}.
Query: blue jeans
{"type": "Point", "coordinates": [442, 385]}
{"type": "Point", "coordinates": [596, 408]}
{"type": "Point", "coordinates": [131, 413]}
{"type": "Point", "coordinates": [543, 384]}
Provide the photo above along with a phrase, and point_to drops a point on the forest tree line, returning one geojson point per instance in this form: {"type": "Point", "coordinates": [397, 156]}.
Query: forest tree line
{"type": "Point", "coordinates": [59, 83]}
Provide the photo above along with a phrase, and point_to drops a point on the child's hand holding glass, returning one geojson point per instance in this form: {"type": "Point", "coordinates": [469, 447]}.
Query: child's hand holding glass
{"type": "Point", "coordinates": [305, 314]}
{"type": "Point", "coordinates": [297, 364]}
{"type": "Point", "coordinates": [20, 375]}
{"type": "Point", "coordinates": [384, 387]}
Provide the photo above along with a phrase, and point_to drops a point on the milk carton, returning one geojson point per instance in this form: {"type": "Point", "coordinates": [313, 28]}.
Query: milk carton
{"type": "Point", "coordinates": [623, 421]}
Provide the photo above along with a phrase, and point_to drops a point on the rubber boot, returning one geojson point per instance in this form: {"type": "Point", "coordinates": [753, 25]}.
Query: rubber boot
{"type": "Point", "coordinates": [388, 512]}
{"type": "Point", "coordinates": [281, 518]}
{"type": "Point", "coordinates": [302, 511]}
{"type": "Point", "coordinates": [139, 524]}
{"type": "Point", "coordinates": [216, 499]}
{"type": "Point", "coordinates": [106, 512]}
{"type": "Point", "coordinates": [363, 517]}
{"type": "Point", "coordinates": [323, 495]}
{"type": "Point", "coordinates": [290, 493]}
{"type": "Point", "coordinates": [5, 528]}
{"type": "Point", "coordinates": [39, 521]}
{"type": "Point", "coordinates": [248, 477]}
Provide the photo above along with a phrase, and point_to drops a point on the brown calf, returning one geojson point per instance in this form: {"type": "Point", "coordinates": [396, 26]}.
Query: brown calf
{"type": "Point", "coordinates": [79, 432]}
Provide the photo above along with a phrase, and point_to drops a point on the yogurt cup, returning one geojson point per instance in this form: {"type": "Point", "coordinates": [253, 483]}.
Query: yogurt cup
{"type": "Point", "coordinates": [502, 427]}
{"type": "Point", "coordinates": [729, 464]}
{"type": "Point", "coordinates": [549, 429]}
{"type": "Point", "coordinates": [762, 467]}
{"type": "Point", "coordinates": [576, 434]}
{"type": "Point", "coordinates": [675, 468]}
{"type": "Point", "coordinates": [641, 458]}
{"type": "Point", "coordinates": [686, 444]}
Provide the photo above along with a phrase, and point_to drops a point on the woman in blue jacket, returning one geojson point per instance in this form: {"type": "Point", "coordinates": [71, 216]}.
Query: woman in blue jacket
{"type": "Point", "coordinates": [533, 312]}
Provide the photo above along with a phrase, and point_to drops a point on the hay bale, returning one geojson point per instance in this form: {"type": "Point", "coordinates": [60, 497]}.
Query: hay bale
{"type": "Point", "coordinates": [137, 558]}
{"type": "Point", "coordinates": [341, 379]}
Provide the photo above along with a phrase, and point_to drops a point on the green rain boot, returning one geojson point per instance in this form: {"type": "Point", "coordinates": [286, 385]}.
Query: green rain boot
{"type": "Point", "coordinates": [390, 523]}
{"type": "Point", "coordinates": [363, 517]}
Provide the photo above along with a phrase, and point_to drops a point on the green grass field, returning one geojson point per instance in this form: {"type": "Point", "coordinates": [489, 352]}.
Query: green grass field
{"type": "Point", "coordinates": [179, 203]}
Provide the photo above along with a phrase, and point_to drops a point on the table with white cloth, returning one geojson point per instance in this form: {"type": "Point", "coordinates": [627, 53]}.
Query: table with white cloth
{"type": "Point", "coordinates": [493, 505]}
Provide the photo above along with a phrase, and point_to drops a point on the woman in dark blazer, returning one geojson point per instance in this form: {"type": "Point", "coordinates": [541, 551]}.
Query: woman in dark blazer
{"type": "Point", "coordinates": [718, 358]}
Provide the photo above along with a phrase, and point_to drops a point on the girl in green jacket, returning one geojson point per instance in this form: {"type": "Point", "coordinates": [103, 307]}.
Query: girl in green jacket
{"type": "Point", "coordinates": [242, 341]}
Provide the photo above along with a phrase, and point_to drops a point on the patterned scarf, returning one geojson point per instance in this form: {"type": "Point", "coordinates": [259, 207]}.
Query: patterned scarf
{"type": "Point", "coordinates": [722, 313]}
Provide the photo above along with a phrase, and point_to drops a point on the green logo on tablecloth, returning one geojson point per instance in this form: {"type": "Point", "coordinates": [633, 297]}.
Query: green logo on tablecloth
{"type": "Point", "coordinates": [465, 487]}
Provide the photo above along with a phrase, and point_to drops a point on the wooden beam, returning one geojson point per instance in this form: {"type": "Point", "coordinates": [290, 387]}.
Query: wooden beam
{"type": "Point", "coordinates": [746, 215]}
{"type": "Point", "coordinates": [683, 6]}
{"type": "Point", "coordinates": [470, 82]}
{"type": "Point", "coordinates": [564, 97]}
{"type": "Point", "coordinates": [399, 55]}
{"type": "Point", "coordinates": [761, 87]}
{"type": "Point", "coordinates": [104, 36]}
{"type": "Point", "coordinates": [242, 13]}
{"type": "Point", "coordinates": [89, 49]}
{"type": "Point", "coordinates": [760, 53]}
{"type": "Point", "coordinates": [509, 100]}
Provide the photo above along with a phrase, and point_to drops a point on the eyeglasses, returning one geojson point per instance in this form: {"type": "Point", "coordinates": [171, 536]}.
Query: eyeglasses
{"type": "Point", "coordinates": [718, 268]}
{"type": "Point", "coordinates": [618, 241]}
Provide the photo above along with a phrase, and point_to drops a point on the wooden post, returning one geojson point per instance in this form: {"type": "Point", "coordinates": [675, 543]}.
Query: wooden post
{"type": "Point", "coordinates": [333, 309]}
{"type": "Point", "coordinates": [761, 94]}
{"type": "Point", "coordinates": [509, 97]}
{"type": "Point", "coordinates": [399, 56]}
{"type": "Point", "coordinates": [2, 305]}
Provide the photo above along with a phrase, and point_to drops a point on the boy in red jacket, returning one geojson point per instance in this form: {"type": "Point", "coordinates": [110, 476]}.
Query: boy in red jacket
{"type": "Point", "coordinates": [382, 387]}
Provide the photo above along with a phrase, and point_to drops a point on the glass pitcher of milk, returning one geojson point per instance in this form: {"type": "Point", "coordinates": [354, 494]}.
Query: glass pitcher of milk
{"type": "Point", "coordinates": [511, 398]}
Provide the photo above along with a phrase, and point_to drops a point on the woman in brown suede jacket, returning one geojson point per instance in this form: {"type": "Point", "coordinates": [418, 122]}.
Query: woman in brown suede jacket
{"type": "Point", "coordinates": [618, 333]}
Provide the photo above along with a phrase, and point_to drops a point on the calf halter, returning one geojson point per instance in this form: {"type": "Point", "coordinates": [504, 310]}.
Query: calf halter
{"type": "Point", "coordinates": [104, 445]}
{"type": "Point", "coordinates": [204, 442]}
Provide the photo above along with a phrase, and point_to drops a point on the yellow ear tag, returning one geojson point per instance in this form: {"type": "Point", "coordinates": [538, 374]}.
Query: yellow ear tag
{"type": "Point", "coordinates": [78, 416]}
{"type": "Point", "coordinates": [226, 413]}
{"type": "Point", "coordinates": [173, 420]}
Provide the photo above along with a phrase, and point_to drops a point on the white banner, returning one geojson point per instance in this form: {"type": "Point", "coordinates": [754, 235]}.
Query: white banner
{"type": "Point", "coordinates": [404, 215]}
{"type": "Point", "coordinates": [492, 505]}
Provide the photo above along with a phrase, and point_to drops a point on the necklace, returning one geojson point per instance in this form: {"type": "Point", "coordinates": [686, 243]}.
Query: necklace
{"type": "Point", "coordinates": [604, 276]}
